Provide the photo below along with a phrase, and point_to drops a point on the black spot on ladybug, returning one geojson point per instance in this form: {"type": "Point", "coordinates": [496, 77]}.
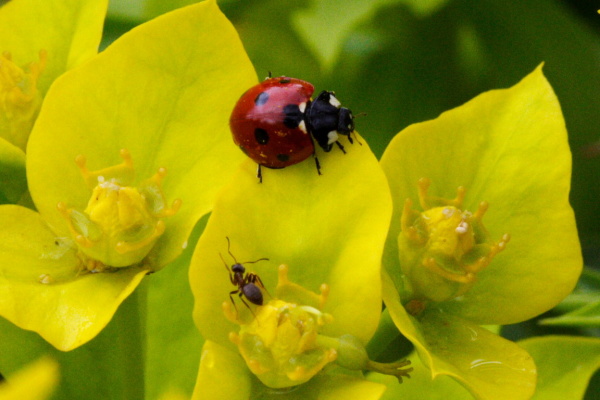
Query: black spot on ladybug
{"type": "Point", "coordinates": [293, 116]}
{"type": "Point", "coordinates": [283, 157]}
{"type": "Point", "coordinates": [285, 80]}
{"type": "Point", "coordinates": [261, 99]}
{"type": "Point", "coordinates": [261, 136]}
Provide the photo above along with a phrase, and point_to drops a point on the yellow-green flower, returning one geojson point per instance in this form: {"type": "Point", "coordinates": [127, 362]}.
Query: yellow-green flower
{"type": "Point", "coordinates": [127, 153]}
{"type": "Point", "coordinates": [497, 168]}
{"type": "Point", "coordinates": [329, 232]}
{"type": "Point", "coordinates": [39, 40]}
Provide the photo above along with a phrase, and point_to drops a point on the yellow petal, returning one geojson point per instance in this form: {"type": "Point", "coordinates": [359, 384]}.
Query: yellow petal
{"type": "Point", "coordinates": [36, 381]}
{"type": "Point", "coordinates": [487, 365]}
{"type": "Point", "coordinates": [508, 148]}
{"type": "Point", "coordinates": [327, 228]}
{"type": "Point", "coordinates": [40, 289]}
{"type": "Point", "coordinates": [222, 375]}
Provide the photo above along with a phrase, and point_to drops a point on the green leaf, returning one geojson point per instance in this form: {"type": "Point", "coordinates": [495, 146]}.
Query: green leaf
{"type": "Point", "coordinates": [565, 365]}
{"type": "Point", "coordinates": [509, 148]}
{"type": "Point", "coordinates": [588, 315]}
{"type": "Point", "coordinates": [13, 182]}
{"type": "Point", "coordinates": [324, 28]}
{"type": "Point", "coordinates": [325, 25]}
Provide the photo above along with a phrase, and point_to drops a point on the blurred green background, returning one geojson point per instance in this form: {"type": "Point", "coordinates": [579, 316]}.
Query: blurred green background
{"type": "Point", "coordinates": [400, 62]}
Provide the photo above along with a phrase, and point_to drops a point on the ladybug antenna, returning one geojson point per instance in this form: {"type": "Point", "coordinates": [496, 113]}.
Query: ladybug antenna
{"type": "Point", "coordinates": [360, 114]}
{"type": "Point", "coordinates": [270, 75]}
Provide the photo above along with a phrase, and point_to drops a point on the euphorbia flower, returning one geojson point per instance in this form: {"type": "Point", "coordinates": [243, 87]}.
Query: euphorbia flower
{"type": "Point", "coordinates": [127, 154]}
{"type": "Point", "coordinates": [39, 40]}
{"type": "Point", "coordinates": [309, 333]}
{"type": "Point", "coordinates": [449, 266]}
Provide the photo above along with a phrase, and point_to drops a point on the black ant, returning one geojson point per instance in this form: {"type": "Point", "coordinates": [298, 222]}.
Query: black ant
{"type": "Point", "coordinates": [247, 283]}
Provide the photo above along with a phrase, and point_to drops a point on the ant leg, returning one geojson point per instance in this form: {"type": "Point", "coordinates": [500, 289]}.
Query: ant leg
{"type": "Point", "coordinates": [256, 279]}
{"type": "Point", "coordinates": [246, 304]}
{"type": "Point", "coordinates": [233, 302]}
{"type": "Point", "coordinates": [342, 147]}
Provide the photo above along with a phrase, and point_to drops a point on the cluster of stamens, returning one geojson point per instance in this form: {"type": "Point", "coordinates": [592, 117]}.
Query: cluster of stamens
{"type": "Point", "coordinates": [20, 99]}
{"type": "Point", "coordinates": [121, 223]}
{"type": "Point", "coordinates": [443, 248]}
{"type": "Point", "coordinates": [283, 344]}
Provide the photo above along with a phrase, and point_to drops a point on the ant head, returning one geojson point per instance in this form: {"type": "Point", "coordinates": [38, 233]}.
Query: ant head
{"type": "Point", "coordinates": [238, 268]}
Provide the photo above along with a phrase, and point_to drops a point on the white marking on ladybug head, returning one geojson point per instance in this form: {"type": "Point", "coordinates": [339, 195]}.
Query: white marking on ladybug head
{"type": "Point", "coordinates": [332, 137]}
{"type": "Point", "coordinates": [302, 126]}
{"type": "Point", "coordinates": [334, 101]}
{"type": "Point", "coordinates": [302, 107]}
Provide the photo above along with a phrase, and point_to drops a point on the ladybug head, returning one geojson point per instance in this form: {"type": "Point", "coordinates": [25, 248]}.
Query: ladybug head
{"type": "Point", "coordinates": [345, 122]}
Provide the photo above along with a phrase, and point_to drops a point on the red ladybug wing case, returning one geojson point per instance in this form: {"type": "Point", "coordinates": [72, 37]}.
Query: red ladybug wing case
{"type": "Point", "coordinates": [268, 124]}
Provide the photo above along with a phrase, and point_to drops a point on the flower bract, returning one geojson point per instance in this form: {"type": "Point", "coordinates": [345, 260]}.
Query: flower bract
{"type": "Point", "coordinates": [123, 160]}
{"type": "Point", "coordinates": [507, 148]}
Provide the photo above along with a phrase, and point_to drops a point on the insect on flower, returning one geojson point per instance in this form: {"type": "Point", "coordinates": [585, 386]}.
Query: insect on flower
{"type": "Point", "coordinates": [247, 283]}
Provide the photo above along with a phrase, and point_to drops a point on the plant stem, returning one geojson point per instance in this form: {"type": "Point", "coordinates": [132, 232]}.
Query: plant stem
{"type": "Point", "coordinates": [131, 323]}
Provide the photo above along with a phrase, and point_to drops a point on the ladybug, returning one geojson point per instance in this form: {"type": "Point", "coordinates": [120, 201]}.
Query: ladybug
{"type": "Point", "coordinates": [276, 122]}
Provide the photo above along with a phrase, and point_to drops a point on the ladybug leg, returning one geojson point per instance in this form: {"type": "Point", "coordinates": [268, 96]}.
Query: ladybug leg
{"type": "Point", "coordinates": [342, 147]}
{"type": "Point", "coordinates": [315, 156]}
{"type": "Point", "coordinates": [356, 137]}
{"type": "Point", "coordinates": [317, 164]}
{"type": "Point", "coordinates": [259, 173]}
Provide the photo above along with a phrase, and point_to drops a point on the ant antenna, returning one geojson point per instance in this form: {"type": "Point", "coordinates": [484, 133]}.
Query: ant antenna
{"type": "Point", "coordinates": [234, 259]}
